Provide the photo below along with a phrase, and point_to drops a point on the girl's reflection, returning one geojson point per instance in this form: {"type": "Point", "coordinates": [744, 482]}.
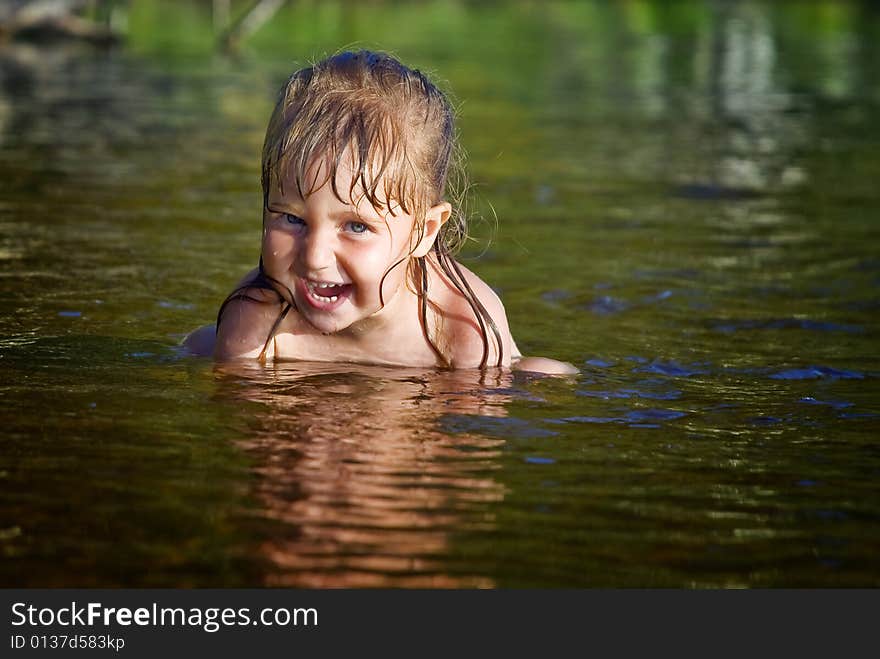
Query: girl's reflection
{"type": "Point", "coordinates": [354, 461]}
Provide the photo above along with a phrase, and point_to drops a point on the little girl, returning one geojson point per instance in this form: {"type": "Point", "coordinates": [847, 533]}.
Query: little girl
{"type": "Point", "coordinates": [356, 262]}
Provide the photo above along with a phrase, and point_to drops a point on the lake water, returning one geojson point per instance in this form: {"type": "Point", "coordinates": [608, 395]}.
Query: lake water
{"type": "Point", "coordinates": [687, 203]}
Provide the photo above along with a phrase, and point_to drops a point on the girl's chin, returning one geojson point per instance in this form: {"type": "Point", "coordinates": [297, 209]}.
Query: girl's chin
{"type": "Point", "coordinates": [342, 319]}
{"type": "Point", "coordinates": [325, 320]}
{"type": "Point", "coordinates": [328, 315]}
{"type": "Point", "coordinates": [324, 327]}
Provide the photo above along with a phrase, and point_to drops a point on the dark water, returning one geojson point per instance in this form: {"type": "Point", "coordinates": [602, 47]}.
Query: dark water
{"type": "Point", "coordinates": [687, 206]}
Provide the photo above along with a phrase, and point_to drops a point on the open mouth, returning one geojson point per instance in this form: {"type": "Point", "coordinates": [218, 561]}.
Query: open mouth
{"type": "Point", "coordinates": [326, 294]}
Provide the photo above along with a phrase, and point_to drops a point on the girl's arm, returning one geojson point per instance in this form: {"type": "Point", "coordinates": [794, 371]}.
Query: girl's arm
{"type": "Point", "coordinates": [245, 325]}
{"type": "Point", "coordinates": [240, 326]}
{"type": "Point", "coordinates": [543, 365]}
{"type": "Point", "coordinates": [517, 362]}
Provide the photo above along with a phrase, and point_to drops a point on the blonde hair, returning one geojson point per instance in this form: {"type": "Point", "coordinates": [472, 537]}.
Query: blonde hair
{"type": "Point", "coordinates": [397, 126]}
{"type": "Point", "coordinates": [398, 130]}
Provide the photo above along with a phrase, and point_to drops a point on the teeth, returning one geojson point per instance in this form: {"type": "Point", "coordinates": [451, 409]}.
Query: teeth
{"type": "Point", "coordinates": [321, 298]}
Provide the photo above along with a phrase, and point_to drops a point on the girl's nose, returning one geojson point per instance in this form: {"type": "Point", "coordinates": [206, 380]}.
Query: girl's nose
{"type": "Point", "coordinates": [317, 251]}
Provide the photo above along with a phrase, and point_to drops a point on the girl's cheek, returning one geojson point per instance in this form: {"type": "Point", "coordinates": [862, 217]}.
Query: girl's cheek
{"type": "Point", "coordinates": [278, 240]}
{"type": "Point", "coordinates": [277, 245]}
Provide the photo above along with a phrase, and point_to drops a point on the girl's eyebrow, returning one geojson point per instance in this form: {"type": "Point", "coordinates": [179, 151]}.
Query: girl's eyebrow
{"type": "Point", "coordinates": [275, 205]}
{"type": "Point", "coordinates": [347, 214]}
{"type": "Point", "coordinates": [287, 196]}
{"type": "Point", "coordinates": [365, 212]}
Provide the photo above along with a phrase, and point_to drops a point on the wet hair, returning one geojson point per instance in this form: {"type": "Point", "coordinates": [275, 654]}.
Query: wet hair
{"type": "Point", "coordinates": [396, 131]}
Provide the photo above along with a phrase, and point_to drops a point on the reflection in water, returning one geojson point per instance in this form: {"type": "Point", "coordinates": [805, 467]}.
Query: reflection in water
{"type": "Point", "coordinates": [351, 461]}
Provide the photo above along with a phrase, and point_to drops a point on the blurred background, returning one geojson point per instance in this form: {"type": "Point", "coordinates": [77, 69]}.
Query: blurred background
{"type": "Point", "coordinates": [679, 197]}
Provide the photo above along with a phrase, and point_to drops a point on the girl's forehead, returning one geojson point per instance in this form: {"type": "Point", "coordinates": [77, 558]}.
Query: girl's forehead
{"type": "Point", "coordinates": [349, 184]}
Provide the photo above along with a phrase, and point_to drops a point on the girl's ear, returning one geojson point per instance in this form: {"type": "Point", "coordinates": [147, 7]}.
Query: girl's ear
{"type": "Point", "coordinates": [434, 219]}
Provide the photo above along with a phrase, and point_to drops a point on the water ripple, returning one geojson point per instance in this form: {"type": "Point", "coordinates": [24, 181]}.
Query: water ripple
{"type": "Point", "coordinates": [632, 417]}
{"type": "Point", "coordinates": [836, 404]}
{"type": "Point", "coordinates": [499, 426]}
{"type": "Point", "coordinates": [649, 389]}
{"type": "Point", "coordinates": [672, 368]}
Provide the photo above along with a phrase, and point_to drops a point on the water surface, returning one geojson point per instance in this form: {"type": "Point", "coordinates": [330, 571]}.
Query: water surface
{"type": "Point", "coordinates": [686, 202]}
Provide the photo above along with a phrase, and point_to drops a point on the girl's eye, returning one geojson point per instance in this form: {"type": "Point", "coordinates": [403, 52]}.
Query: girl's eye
{"type": "Point", "coordinates": [358, 227]}
{"type": "Point", "coordinates": [294, 219]}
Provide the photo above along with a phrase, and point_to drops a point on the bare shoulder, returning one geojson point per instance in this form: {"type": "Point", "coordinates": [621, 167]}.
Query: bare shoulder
{"type": "Point", "coordinates": [245, 324]}
{"type": "Point", "coordinates": [200, 342]}
{"type": "Point", "coordinates": [466, 341]}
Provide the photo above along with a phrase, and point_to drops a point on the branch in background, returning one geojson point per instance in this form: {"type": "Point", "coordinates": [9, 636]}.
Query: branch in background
{"type": "Point", "coordinates": [220, 14]}
{"type": "Point", "coordinates": [249, 22]}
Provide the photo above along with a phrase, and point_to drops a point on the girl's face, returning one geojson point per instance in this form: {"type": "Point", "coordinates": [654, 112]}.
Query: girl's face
{"type": "Point", "coordinates": [333, 255]}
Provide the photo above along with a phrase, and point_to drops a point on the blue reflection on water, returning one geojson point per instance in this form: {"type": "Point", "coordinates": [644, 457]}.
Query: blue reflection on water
{"type": "Point", "coordinates": [813, 372]}
{"type": "Point", "coordinates": [605, 305]}
{"type": "Point", "coordinates": [730, 326]}
{"type": "Point", "coordinates": [556, 295]}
